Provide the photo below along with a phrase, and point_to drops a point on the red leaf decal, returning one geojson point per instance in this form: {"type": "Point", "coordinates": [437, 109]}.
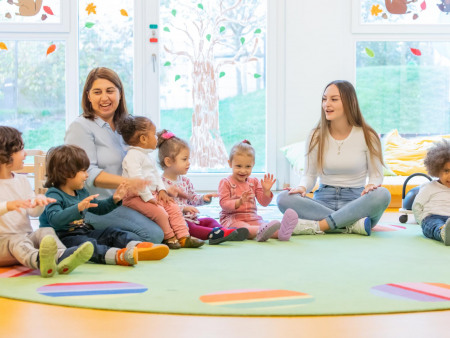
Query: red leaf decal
{"type": "Point", "coordinates": [423, 5]}
{"type": "Point", "coordinates": [416, 51]}
{"type": "Point", "coordinates": [48, 10]}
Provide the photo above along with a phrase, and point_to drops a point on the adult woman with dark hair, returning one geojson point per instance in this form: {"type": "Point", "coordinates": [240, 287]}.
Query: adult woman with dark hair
{"type": "Point", "coordinates": [344, 152]}
{"type": "Point", "coordinates": [104, 106]}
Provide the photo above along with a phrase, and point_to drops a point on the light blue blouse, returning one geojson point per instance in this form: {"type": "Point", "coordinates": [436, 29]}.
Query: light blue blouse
{"type": "Point", "coordinates": [104, 147]}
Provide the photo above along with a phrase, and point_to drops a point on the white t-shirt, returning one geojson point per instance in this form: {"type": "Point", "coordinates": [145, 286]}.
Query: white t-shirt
{"type": "Point", "coordinates": [14, 222]}
{"type": "Point", "coordinates": [346, 163]}
{"type": "Point", "coordinates": [433, 199]}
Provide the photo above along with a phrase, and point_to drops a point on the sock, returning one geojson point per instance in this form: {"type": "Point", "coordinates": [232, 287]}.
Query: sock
{"type": "Point", "coordinates": [79, 255]}
{"type": "Point", "coordinates": [127, 257]}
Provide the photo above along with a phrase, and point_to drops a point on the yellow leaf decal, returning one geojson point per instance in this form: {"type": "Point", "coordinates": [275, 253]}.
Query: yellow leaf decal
{"type": "Point", "coordinates": [375, 10]}
{"type": "Point", "coordinates": [3, 46]}
{"type": "Point", "coordinates": [123, 12]}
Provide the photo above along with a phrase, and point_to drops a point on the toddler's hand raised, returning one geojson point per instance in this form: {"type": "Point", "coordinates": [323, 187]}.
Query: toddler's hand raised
{"type": "Point", "coordinates": [42, 201]}
{"type": "Point", "coordinates": [208, 197]}
{"type": "Point", "coordinates": [121, 191]}
{"type": "Point", "coordinates": [17, 205]}
{"type": "Point", "coordinates": [267, 182]}
{"type": "Point", "coordinates": [86, 203]}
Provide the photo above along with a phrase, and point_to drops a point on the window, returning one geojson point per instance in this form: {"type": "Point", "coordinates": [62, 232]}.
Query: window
{"type": "Point", "coordinates": [403, 79]}
{"type": "Point", "coordinates": [212, 77]}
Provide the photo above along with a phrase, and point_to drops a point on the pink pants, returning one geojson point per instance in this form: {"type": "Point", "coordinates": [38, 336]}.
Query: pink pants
{"type": "Point", "coordinates": [252, 226]}
{"type": "Point", "coordinates": [204, 228]}
{"type": "Point", "coordinates": [168, 216]}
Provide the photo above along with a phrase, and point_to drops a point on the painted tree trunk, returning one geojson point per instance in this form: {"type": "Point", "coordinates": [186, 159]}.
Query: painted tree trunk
{"type": "Point", "coordinates": [207, 147]}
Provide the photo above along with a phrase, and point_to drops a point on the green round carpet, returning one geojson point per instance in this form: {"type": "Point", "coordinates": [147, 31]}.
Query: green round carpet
{"type": "Point", "coordinates": [394, 270]}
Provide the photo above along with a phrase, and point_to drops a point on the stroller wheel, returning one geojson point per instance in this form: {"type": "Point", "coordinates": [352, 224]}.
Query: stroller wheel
{"type": "Point", "coordinates": [403, 218]}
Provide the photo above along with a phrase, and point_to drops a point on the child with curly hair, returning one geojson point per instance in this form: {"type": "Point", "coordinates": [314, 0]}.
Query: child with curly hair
{"type": "Point", "coordinates": [431, 206]}
{"type": "Point", "coordinates": [139, 133]}
{"type": "Point", "coordinates": [19, 244]}
{"type": "Point", "coordinates": [173, 158]}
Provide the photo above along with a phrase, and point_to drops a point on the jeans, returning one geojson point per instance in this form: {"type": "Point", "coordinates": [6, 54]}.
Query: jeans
{"type": "Point", "coordinates": [340, 207]}
{"type": "Point", "coordinates": [431, 226]}
{"type": "Point", "coordinates": [129, 220]}
{"type": "Point", "coordinates": [102, 240]}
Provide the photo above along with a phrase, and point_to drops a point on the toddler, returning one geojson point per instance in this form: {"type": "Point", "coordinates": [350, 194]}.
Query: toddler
{"type": "Point", "coordinates": [237, 198]}
{"type": "Point", "coordinates": [140, 133]}
{"type": "Point", "coordinates": [19, 244]}
{"type": "Point", "coordinates": [173, 158]}
{"type": "Point", "coordinates": [431, 206]}
{"type": "Point", "coordinates": [66, 175]}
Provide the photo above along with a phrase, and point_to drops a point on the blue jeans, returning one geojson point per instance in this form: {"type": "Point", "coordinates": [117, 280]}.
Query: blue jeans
{"type": "Point", "coordinates": [127, 219]}
{"type": "Point", "coordinates": [340, 207]}
{"type": "Point", "coordinates": [102, 240]}
{"type": "Point", "coordinates": [431, 226]}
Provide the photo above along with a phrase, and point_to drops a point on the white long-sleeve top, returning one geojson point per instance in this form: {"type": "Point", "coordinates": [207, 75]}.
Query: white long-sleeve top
{"type": "Point", "coordinates": [139, 164]}
{"type": "Point", "coordinates": [433, 199]}
{"type": "Point", "coordinates": [13, 222]}
{"type": "Point", "coordinates": [351, 168]}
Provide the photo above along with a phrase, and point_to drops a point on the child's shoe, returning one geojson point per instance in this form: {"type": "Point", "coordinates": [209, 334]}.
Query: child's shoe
{"type": "Point", "coordinates": [242, 234]}
{"type": "Point", "coordinates": [361, 227]}
{"type": "Point", "coordinates": [127, 257]}
{"type": "Point", "coordinates": [151, 252]}
{"type": "Point", "coordinates": [172, 243]}
{"type": "Point", "coordinates": [47, 256]}
{"type": "Point", "coordinates": [288, 223]}
{"type": "Point", "coordinates": [306, 227]}
{"type": "Point", "coordinates": [191, 242]}
{"type": "Point", "coordinates": [219, 235]}
{"type": "Point", "coordinates": [445, 232]}
{"type": "Point", "coordinates": [80, 256]}
{"type": "Point", "coordinates": [265, 231]}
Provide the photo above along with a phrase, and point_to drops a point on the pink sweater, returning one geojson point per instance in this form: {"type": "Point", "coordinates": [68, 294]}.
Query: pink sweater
{"type": "Point", "coordinates": [230, 190]}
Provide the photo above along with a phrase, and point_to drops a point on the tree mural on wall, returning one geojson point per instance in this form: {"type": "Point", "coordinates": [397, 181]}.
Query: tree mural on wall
{"type": "Point", "coordinates": [207, 28]}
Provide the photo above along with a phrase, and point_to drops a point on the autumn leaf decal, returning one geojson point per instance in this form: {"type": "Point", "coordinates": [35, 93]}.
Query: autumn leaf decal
{"type": "Point", "coordinates": [51, 49]}
{"type": "Point", "coordinates": [48, 10]}
{"type": "Point", "coordinates": [375, 10]}
{"type": "Point", "coordinates": [370, 52]}
{"type": "Point", "coordinates": [3, 46]}
{"type": "Point", "coordinates": [91, 8]}
{"type": "Point", "coordinates": [416, 51]}
{"type": "Point", "coordinates": [123, 12]}
{"type": "Point", "coordinates": [89, 24]}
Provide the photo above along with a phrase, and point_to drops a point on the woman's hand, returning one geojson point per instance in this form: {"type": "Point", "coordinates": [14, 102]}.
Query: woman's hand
{"type": "Point", "coordinates": [267, 182]}
{"type": "Point", "coordinates": [298, 190]}
{"type": "Point", "coordinates": [135, 185]}
{"type": "Point", "coordinates": [208, 197]}
{"type": "Point", "coordinates": [120, 192]}
{"type": "Point", "coordinates": [86, 203]}
{"type": "Point", "coordinates": [164, 197]}
{"type": "Point", "coordinates": [369, 188]}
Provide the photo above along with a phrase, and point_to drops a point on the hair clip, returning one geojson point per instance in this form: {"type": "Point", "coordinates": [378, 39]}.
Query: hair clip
{"type": "Point", "coordinates": [167, 135]}
{"type": "Point", "coordinates": [246, 141]}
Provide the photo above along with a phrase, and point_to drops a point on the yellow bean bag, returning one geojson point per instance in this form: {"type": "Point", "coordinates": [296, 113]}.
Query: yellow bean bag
{"type": "Point", "coordinates": [405, 156]}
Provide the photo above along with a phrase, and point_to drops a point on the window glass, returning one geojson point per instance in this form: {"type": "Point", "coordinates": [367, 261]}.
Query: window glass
{"type": "Point", "coordinates": [417, 12]}
{"type": "Point", "coordinates": [213, 77]}
{"type": "Point", "coordinates": [32, 90]}
{"type": "Point", "coordinates": [404, 85]}
{"type": "Point", "coordinates": [106, 40]}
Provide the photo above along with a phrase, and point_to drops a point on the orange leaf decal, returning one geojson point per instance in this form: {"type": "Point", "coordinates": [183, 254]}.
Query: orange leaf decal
{"type": "Point", "coordinates": [123, 12]}
{"type": "Point", "coordinates": [375, 10]}
{"type": "Point", "coordinates": [48, 10]}
{"type": "Point", "coordinates": [3, 46]}
{"type": "Point", "coordinates": [416, 51]}
{"type": "Point", "coordinates": [51, 49]}
{"type": "Point", "coordinates": [423, 5]}
{"type": "Point", "coordinates": [91, 8]}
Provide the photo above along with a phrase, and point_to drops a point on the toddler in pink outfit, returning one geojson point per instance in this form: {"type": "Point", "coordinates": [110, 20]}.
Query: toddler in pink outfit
{"type": "Point", "coordinates": [237, 195]}
{"type": "Point", "coordinates": [140, 133]}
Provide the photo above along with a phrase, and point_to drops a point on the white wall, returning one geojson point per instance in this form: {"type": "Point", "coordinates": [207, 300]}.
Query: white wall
{"type": "Point", "coordinates": [319, 48]}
